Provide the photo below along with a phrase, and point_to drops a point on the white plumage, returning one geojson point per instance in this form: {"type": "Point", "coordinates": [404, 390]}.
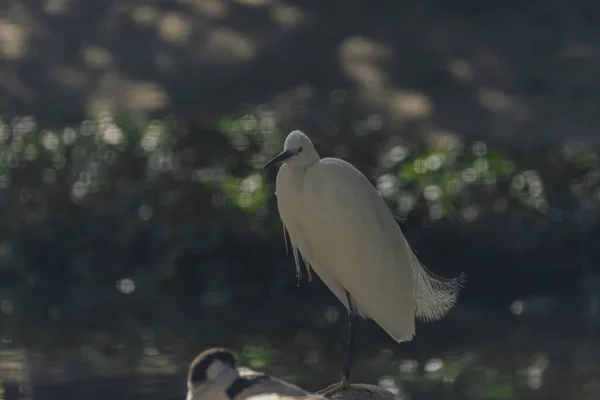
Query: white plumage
{"type": "Point", "coordinates": [342, 228]}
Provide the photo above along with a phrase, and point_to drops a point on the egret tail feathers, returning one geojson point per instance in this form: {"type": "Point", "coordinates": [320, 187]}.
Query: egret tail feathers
{"type": "Point", "coordinates": [434, 295]}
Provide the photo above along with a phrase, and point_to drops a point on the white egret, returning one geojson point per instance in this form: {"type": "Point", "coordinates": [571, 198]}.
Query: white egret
{"type": "Point", "coordinates": [342, 228]}
{"type": "Point", "coordinates": [213, 375]}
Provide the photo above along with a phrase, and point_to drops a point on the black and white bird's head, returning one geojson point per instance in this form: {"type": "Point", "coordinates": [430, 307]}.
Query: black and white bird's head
{"type": "Point", "coordinates": [210, 374]}
{"type": "Point", "coordinates": [213, 375]}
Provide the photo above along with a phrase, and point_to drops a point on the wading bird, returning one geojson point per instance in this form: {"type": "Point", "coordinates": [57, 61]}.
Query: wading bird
{"type": "Point", "coordinates": [342, 228]}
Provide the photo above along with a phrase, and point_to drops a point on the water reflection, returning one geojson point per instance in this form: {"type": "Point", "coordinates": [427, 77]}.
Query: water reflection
{"type": "Point", "coordinates": [525, 359]}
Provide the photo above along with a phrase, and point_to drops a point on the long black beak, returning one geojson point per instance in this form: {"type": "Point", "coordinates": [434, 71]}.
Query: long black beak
{"type": "Point", "coordinates": [284, 155]}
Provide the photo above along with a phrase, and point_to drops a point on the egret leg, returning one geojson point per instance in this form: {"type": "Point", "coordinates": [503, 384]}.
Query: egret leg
{"type": "Point", "coordinates": [352, 321]}
{"type": "Point", "coordinates": [347, 368]}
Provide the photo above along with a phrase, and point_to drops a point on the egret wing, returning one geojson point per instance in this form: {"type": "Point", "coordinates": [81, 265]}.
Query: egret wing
{"type": "Point", "coordinates": [354, 237]}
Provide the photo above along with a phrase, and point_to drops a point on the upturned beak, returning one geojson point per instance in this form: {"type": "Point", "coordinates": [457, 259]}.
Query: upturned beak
{"type": "Point", "coordinates": [284, 155]}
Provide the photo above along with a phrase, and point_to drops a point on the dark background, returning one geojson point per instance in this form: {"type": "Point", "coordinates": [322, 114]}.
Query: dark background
{"type": "Point", "coordinates": [137, 227]}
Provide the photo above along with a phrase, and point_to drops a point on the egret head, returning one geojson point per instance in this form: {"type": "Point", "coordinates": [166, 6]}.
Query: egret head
{"type": "Point", "coordinates": [297, 150]}
{"type": "Point", "coordinates": [206, 368]}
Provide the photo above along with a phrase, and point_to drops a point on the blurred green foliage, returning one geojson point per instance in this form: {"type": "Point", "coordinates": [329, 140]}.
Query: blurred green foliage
{"type": "Point", "coordinates": [123, 233]}
{"type": "Point", "coordinates": [122, 205]}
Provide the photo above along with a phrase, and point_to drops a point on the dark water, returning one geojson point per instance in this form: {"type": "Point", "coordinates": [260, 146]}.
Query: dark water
{"type": "Point", "coordinates": [466, 356]}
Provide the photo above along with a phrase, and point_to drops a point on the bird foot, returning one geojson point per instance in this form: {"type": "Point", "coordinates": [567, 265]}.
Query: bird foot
{"type": "Point", "coordinates": [336, 387]}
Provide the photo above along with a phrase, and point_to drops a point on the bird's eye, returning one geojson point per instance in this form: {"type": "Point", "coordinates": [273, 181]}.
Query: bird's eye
{"type": "Point", "coordinates": [299, 149]}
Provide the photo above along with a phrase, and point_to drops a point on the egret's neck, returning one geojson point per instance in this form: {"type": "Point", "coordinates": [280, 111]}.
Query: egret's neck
{"type": "Point", "coordinates": [289, 185]}
{"type": "Point", "coordinates": [314, 158]}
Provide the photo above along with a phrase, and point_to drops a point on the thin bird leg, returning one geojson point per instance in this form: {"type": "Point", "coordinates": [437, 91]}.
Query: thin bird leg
{"type": "Point", "coordinates": [347, 368]}
{"type": "Point", "coordinates": [352, 320]}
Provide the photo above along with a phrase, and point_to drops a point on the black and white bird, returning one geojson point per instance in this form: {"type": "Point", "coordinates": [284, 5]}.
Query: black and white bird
{"type": "Point", "coordinates": [213, 375]}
